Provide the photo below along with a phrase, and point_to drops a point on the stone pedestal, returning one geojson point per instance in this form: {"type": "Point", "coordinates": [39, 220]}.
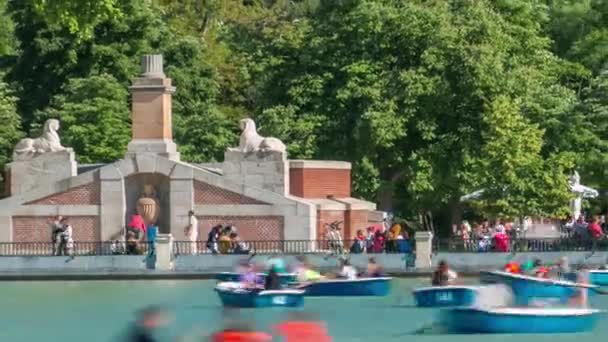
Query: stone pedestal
{"type": "Point", "coordinates": [151, 112]}
{"type": "Point", "coordinates": [51, 167]}
{"type": "Point", "coordinates": [424, 250]}
{"type": "Point", "coordinates": [264, 170]}
{"type": "Point", "coordinates": [164, 252]}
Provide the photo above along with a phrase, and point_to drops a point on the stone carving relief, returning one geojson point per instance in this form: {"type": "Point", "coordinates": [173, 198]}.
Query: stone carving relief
{"type": "Point", "coordinates": [49, 141]}
{"type": "Point", "coordinates": [251, 141]}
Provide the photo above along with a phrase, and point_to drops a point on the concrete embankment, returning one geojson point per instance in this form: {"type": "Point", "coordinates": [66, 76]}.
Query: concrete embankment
{"type": "Point", "coordinates": [126, 267]}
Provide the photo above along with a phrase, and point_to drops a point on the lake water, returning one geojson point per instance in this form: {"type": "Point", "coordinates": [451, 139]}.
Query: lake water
{"type": "Point", "coordinates": [101, 311]}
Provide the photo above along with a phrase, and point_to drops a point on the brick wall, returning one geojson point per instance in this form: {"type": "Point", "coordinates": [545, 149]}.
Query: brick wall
{"type": "Point", "coordinates": [319, 183]}
{"type": "Point", "coordinates": [250, 228]}
{"type": "Point", "coordinates": [81, 195]}
{"type": "Point", "coordinates": [36, 228]}
{"type": "Point", "coordinates": [328, 216]}
{"type": "Point", "coordinates": [355, 220]}
{"type": "Point", "coordinates": [208, 194]}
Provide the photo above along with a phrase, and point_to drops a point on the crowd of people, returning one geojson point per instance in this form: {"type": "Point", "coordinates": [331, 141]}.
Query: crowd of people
{"type": "Point", "coordinates": [593, 228]}
{"type": "Point", "coordinates": [376, 240]}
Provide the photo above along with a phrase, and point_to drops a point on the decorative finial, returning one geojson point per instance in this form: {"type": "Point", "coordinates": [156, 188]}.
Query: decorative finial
{"type": "Point", "coordinates": [152, 66]}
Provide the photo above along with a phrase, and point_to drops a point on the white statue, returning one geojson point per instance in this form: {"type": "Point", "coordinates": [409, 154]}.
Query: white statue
{"type": "Point", "coordinates": [49, 141]}
{"type": "Point", "coordinates": [251, 141]}
{"type": "Point", "coordinates": [580, 191]}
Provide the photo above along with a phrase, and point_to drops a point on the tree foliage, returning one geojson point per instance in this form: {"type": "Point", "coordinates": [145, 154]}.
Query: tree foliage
{"type": "Point", "coordinates": [94, 116]}
{"type": "Point", "coordinates": [429, 100]}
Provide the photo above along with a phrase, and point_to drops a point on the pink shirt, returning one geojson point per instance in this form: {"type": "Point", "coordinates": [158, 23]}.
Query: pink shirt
{"type": "Point", "coordinates": [137, 222]}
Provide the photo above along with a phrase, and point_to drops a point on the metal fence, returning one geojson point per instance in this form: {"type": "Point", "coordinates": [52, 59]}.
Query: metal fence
{"type": "Point", "coordinates": [290, 247]}
{"type": "Point", "coordinates": [79, 248]}
{"type": "Point", "coordinates": [562, 244]}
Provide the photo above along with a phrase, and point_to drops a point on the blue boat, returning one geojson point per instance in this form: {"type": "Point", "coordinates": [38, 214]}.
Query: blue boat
{"type": "Point", "coordinates": [284, 278]}
{"type": "Point", "coordinates": [445, 296]}
{"type": "Point", "coordinates": [234, 295]}
{"type": "Point", "coordinates": [527, 289]}
{"type": "Point", "coordinates": [598, 277]}
{"type": "Point", "coordinates": [346, 287]}
{"type": "Point", "coordinates": [519, 320]}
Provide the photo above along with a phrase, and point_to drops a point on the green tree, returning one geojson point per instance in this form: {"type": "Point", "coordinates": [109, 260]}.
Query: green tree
{"type": "Point", "coordinates": [80, 17]}
{"type": "Point", "coordinates": [403, 89]}
{"type": "Point", "coordinates": [50, 54]}
{"type": "Point", "coordinates": [94, 117]}
{"type": "Point", "coordinates": [202, 131]}
{"type": "Point", "coordinates": [10, 133]}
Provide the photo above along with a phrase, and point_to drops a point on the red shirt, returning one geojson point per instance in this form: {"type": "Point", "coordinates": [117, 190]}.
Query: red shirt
{"type": "Point", "coordinates": [595, 230]}
{"type": "Point", "coordinates": [137, 222]}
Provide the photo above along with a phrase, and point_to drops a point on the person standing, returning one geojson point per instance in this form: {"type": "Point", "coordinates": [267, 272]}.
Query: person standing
{"type": "Point", "coordinates": [56, 230]}
{"type": "Point", "coordinates": [152, 234]}
{"type": "Point", "coordinates": [212, 239]}
{"type": "Point", "coordinates": [67, 242]}
{"type": "Point", "coordinates": [192, 233]}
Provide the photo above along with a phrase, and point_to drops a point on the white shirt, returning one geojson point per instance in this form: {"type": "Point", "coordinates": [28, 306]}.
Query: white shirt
{"type": "Point", "coordinates": [349, 272]}
{"type": "Point", "coordinates": [194, 228]}
{"type": "Point", "coordinates": [452, 275]}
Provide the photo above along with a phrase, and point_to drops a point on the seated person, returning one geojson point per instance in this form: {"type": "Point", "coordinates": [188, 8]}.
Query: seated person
{"type": "Point", "coordinates": [272, 280]}
{"type": "Point", "coordinates": [277, 263]}
{"type": "Point", "coordinates": [443, 276]}
{"type": "Point", "coordinates": [348, 271]}
{"type": "Point", "coordinates": [374, 270]}
{"type": "Point", "coordinates": [249, 278]}
{"type": "Point", "coordinates": [305, 274]}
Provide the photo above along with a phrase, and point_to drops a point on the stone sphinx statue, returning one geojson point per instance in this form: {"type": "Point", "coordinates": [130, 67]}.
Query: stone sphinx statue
{"type": "Point", "coordinates": [251, 141]}
{"type": "Point", "coordinates": [49, 141]}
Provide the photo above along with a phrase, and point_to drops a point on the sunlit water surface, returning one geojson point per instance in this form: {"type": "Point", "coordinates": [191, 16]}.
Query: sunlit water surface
{"type": "Point", "coordinates": [102, 311]}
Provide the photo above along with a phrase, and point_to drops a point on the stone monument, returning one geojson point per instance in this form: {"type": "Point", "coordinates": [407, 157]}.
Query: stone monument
{"type": "Point", "coordinates": [148, 205]}
{"type": "Point", "coordinates": [580, 191]}
{"type": "Point", "coordinates": [258, 161]}
{"type": "Point", "coordinates": [151, 112]}
{"type": "Point", "coordinates": [40, 160]}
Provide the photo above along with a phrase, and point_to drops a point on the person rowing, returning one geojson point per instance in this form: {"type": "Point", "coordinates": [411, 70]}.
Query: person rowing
{"type": "Point", "coordinates": [443, 276]}
{"type": "Point", "coordinates": [305, 273]}
{"type": "Point", "coordinates": [348, 271]}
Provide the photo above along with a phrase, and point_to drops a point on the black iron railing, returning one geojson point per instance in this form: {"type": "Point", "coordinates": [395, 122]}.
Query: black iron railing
{"type": "Point", "coordinates": [292, 247]}
{"type": "Point", "coordinates": [79, 248]}
{"type": "Point", "coordinates": [558, 244]}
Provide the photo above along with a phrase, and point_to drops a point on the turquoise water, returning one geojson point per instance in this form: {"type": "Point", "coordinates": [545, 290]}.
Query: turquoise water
{"type": "Point", "coordinates": [102, 310]}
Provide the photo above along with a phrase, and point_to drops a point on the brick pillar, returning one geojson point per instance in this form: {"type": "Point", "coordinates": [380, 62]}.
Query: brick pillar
{"type": "Point", "coordinates": [151, 111]}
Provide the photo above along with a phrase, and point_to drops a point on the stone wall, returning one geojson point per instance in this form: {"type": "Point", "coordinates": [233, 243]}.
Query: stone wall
{"type": "Point", "coordinates": [36, 228]}
{"type": "Point", "coordinates": [250, 228]}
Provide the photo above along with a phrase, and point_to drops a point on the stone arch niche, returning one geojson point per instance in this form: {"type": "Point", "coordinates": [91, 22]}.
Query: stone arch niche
{"type": "Point", "coordinates": [134, 188]}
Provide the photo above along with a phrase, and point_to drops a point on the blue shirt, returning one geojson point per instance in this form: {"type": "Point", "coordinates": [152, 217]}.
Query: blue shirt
{"type": "Point", "coordinates": [152, 233]}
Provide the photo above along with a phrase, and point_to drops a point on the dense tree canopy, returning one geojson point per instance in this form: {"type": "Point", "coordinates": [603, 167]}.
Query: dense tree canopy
{"type": "Point", "coordinates": [429, 100]}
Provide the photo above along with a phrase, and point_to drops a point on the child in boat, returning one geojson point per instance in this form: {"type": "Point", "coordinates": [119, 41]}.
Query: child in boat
{"type": "Point", "coordinates": [443, 276]}
{"type": "Point", "coordinates": [348, 271]}
{"type": "Point", "coordinates": [374, 270]}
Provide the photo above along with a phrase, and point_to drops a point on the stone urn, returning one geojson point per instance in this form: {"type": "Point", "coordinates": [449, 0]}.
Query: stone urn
{"type": "Point", "coordinates": [148, 205]}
